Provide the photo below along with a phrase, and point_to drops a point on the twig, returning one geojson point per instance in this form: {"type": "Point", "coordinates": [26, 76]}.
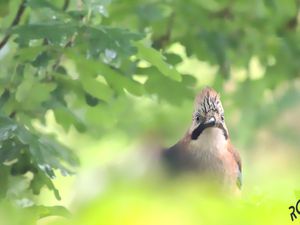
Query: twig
{"type": "Point", "coordinates": [66, 5]}
{"type": "Point", "coordinates": [67, 45]}
{"type": "Point", "coordinates": [292, 23]}
{"type": "Point", "coordinates": [14, 23]}
{"type": "Point", "coordinates": [224, 13]}
{"type": "Point", "coordinates": [162, 41]}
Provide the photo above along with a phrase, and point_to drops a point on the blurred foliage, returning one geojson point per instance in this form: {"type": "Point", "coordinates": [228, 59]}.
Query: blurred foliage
{"type": "Point", "coordinates": [109, 66]}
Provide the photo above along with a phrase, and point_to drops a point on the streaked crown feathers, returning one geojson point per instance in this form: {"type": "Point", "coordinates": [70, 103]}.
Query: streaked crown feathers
{"type": "Point", "coordinates": [208, 100]}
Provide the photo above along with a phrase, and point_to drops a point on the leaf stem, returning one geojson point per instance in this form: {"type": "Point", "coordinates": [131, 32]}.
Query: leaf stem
{"type": "Point", "coordinates": [15, 22]}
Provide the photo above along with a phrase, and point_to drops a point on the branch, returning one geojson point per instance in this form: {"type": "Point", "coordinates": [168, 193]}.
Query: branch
{"type": "Point", "coordinates": [162, 40]}
{"type": "Point", "coordinates": [225, 13]}
{"type": "Point", "coordinates": [66, 5]}
{"type": "Point", "coordinates": [67, 45]}
{"type": "Point", "coordinates": [292, 23]}
{"type": "Point", "coordinates": [14, 23]}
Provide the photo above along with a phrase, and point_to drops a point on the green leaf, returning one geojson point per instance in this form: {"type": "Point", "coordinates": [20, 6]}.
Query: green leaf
{"type": "Point", "coordinates": [108, 41]}
{"type": "Point", "coordinates": [45, 211]}
{"type": "Point", "coordinates": [7, 128]}
{"type": "Point", "coordinates": [31, 93]}
{"type": "Point", "coordinates": [65, 117]}
{"type": "Point", "coordinates": [154, 11]}
{"type": "Point", "coordinates": [40, 180]}
{"type": "Point", "coordinates": [30, 53]}
{"type": "Point", "coordinates": [55, 33]}
{"type": "Point", "coordinates": [4, 7]}
{"type": "Point", "coordinates": [170, 90]}
{"type": "Point", "coordinates": [9, 151]}
{"type": "Point", "coordinates": [35, 4]}
{"type": "Point", "coordinates": [91, 100]}
{"type": "Point", "coordinates": [96, 88]}
{"type": "Point", "coordinates": [173, 59]}
{"type": "Point", "coordinates": [49, 156]}
{"type": "Point", "coordinates": [4, 174]}
{"type": "Point", "coordinates": [101, 116]}
{"type": "Point", "coordinates": [117, 81]}
{"type": "Point", "coordinates": [98, 6]}
{"type": "Point", "coordinates": [5, 96]}
{"type": "Point", "coordinates": [23, 164]}
{"type": "Point", "coordinates": [156, 59]}
{"type": "Point", "coordinates": [44, 156]}
{"type": "Point", "coordinates": [58, 151]}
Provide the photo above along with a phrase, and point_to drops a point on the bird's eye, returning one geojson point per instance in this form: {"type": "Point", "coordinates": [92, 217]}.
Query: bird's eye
{"type": "Point", "coordinates": [197, 118]}
{"type": "Point", "coordinates": [222, 117]}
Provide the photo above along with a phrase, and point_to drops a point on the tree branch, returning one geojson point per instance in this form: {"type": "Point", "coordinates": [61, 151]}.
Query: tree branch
{"type": "Point", "coordinates": [225, 13]}
{"type": "Point", "coordinates": [66, 5]}
{"type": "Point", "coordinates": [68, 44]}
{"type": "Point", "coordinates": [15, 22]}
{"type": "Point", "coordinates": [162, 40]}
{"type": "Point", "coordinates": [292, 23]}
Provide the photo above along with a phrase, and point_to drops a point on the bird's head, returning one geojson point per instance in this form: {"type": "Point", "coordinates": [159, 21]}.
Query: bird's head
{"type": "Point", "coordinates": [208, 112]}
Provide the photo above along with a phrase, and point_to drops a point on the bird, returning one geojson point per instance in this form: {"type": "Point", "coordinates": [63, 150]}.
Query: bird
{"type": "Point", "coordinates": [206, 148]}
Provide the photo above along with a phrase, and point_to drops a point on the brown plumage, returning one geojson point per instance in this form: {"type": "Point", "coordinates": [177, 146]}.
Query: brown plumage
{"type": "Point", "coordinates": [206, 148]}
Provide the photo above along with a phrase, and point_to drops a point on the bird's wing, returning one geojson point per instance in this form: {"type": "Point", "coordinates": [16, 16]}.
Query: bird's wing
{"type": "Point", "coordinates": [172, 157]}
{"type": "Point", "coordinates": [237, 158]}
{"type": "Point", "coordinates": [178, 159]}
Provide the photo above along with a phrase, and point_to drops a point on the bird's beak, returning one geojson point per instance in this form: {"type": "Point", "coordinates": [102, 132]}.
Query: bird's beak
{"type": "Point", "coordinates": [202, 126]}
{"type": "Point", "coordinates": [210, 122]}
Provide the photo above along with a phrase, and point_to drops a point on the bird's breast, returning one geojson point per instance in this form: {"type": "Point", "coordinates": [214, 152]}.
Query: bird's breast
{"type": "Point", "coordinates": [210, 152]}
{"type": "Point", "coordinates": [211, 141]}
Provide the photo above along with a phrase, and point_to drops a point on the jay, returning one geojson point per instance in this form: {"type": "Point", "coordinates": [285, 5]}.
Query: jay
{"type": "Point", "coordinates": [206, 148]}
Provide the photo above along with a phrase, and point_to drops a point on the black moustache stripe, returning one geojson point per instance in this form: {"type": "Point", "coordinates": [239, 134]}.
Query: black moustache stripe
{"type": "Point", "coordinates": [224, 132]}
{"type": "Point", "coordinates": [202, 126]}
{"type": "Point", "coordinates": [196, 133]}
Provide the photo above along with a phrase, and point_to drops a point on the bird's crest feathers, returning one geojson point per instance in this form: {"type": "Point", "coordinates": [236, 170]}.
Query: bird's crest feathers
{"type": "Point", "coordinates": [208, 100]}
{"type": "Point", "coordinates": [206, 92]}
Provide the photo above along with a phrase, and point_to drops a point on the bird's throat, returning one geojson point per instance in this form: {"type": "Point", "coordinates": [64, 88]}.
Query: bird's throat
{"type": "Point", "coordinates": [201, 127]}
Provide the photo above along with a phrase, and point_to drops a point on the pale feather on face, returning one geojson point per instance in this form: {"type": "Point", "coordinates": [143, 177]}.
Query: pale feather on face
{"type": "Point", "coordinates": [208, 105]}
{"type": "Point", "coordinates": [211, 140]}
